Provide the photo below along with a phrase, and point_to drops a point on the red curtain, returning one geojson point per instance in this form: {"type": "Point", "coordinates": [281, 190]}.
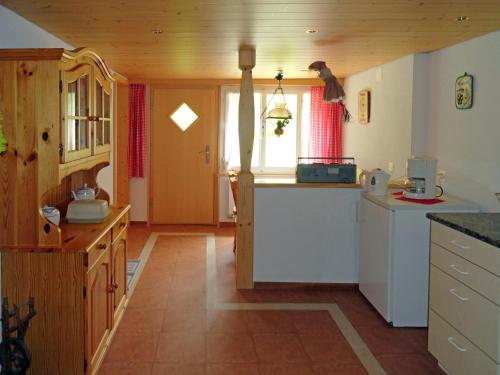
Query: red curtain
{"type": "Point", "coordinates": [137, 130]}
{"type": "Point", "coordinates": [326, 120]}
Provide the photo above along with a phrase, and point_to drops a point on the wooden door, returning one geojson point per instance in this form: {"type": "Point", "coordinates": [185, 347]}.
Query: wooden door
{"type": "Point", "coordinates": [183, 162]}
{"type": "Point", "coordinates": [99, 318]}
{"type": "Point", "coordinates": [119, 277]}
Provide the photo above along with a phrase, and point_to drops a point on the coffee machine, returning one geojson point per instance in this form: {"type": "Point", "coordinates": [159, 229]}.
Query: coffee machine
{"type": "Point", "coordinates": [421, 173]}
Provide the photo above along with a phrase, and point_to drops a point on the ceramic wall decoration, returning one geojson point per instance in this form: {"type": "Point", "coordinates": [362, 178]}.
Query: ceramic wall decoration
{"type": "Point", "coordinates": [464, 91]}
{"type": "Point", "coordinates": [364, 106]}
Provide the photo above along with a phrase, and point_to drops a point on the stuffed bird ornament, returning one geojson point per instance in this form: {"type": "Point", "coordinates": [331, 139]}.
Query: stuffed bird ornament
{"type": "Point", "coordinates": [334, 92]}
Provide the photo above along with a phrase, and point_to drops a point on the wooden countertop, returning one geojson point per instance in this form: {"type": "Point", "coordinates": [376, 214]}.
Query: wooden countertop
{"type": "Point", "coordinates": [76, 237]}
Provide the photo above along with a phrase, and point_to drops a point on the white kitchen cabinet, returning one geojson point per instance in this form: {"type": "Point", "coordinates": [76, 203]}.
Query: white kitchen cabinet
{"type": "Point", "coordinates": [305, 234]}
{"type": "Point", "coordinates": [394, 256]}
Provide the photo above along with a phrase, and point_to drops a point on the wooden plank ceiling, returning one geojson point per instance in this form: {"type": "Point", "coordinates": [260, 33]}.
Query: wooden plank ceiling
{"type": "Point", "coordinates": [200, 38]}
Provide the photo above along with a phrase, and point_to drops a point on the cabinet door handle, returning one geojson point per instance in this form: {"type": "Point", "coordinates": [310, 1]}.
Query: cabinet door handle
{"type": "Point", "coordinates": [454, 292]}
{"type": "Point", "coordinates": [115, 286]}
{"type": "Point", "coordinates": [111, 289]}
{"type": "Point", "coordinates": [122, 224]}
{"type": "Point", "coordinates": [455, 268]}
{"type": "Point", "coordinates": [463, 247]}
{"type": "Point", "coordinates": [452, 342]}
{"type": "Point", "coordinates": [102, 246]}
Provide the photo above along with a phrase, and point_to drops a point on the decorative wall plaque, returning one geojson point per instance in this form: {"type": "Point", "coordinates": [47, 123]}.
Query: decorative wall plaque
{"type": "Point", "coordinates": [463, 91]}
{"type": "Point", "coordinates": [364, 106]}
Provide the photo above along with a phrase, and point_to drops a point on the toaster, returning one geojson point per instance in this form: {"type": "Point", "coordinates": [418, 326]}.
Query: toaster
{"type": "Point", "coordinates": [87, 211]}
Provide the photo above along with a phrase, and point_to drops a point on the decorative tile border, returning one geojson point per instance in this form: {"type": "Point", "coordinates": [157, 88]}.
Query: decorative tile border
{"type": "Point", "coordinates": [357, 344]}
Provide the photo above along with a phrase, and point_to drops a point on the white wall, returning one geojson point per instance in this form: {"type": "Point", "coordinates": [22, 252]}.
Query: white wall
{"type": "Point", "coordinates": [387, 137]}
{"type": "Point", "coordinates": [17, 32]}
{"type": "Point", "coordinates": [466, 142]}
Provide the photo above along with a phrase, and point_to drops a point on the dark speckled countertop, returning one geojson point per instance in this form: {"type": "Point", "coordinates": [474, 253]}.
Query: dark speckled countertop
{"type": "Point", "coordinates": [484, 226]}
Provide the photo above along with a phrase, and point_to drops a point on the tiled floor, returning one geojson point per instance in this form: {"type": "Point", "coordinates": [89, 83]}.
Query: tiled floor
{"type": "Point", "coordinates": [167, 328]}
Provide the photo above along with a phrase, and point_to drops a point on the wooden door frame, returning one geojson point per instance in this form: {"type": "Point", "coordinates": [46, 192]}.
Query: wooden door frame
{"type": "Point", "coordinates": [149, 101]}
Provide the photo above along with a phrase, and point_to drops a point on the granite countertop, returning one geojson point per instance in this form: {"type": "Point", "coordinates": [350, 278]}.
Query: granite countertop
{"type": "Point", "coordinates": [484, 226]}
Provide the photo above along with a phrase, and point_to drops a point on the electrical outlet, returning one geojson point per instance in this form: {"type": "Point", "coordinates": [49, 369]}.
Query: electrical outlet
{"type": "Point", "coordinates": [390, 166]}
{"type": "Point", "coordinates": [498, 196]}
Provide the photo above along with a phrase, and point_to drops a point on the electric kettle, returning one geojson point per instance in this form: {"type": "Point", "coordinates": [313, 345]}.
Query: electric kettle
{"type": "Point", "coordinates": [85, 193]}
{"type": "Point", "coordinates": [375, 182]}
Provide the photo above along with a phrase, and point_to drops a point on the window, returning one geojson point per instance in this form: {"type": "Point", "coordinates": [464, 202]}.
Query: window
{"type": "Point", "coordinates": [271, 154]}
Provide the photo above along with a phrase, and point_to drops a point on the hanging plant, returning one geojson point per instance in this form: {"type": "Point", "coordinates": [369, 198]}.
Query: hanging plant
{"type": "Point", "coordinates": [280, 124]}
{"type": "Point", "coordinates": [3, 141]}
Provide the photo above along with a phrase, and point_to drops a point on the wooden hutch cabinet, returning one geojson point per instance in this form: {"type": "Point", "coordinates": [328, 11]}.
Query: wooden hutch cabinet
{"type": "Point", "coordinates": [59, 109]}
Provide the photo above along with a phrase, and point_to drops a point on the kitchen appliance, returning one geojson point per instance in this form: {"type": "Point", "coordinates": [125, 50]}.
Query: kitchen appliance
{"type": "Point", "coordinates": [85, 192]}
{"type": "Point", "coordinates": [421, 173]}
{"type": "Point", "coordinates": [87, 211]}
{"type": "Point", "coordinates": [394, 255]}
{"type": "Point", "coordinates": [336, 170]}
{"type": "Point", "coordinates": [375, 182]}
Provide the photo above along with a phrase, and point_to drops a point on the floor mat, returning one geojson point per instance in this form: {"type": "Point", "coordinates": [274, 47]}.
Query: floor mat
{"type": "Point", "coordinates": [132, 267]}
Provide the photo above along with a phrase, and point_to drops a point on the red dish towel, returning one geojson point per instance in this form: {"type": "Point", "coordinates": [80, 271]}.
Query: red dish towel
{"type": "Point", "coordinates": [400, 197]}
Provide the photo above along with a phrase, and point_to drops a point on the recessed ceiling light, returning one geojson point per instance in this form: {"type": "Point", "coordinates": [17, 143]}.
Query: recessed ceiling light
{"type": "Point", "coordinates": [157, 31]}
{"type": "Point", "coordinates": [312, 31]}
{"type": "Point", "coordinates": [462, 18]}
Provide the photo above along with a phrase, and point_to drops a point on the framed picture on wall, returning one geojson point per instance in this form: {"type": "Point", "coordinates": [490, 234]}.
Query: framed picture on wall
{"type": "Point", "coordinates": [463, 91]}
{"type": "Point", "coordinates": [364, 106]}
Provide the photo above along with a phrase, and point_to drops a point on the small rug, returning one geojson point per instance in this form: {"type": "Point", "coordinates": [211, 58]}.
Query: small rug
{"type": "Point", "coordinates": [132, 267]}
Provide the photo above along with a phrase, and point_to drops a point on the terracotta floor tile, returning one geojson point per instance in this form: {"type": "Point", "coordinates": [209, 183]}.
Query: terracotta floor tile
{"type": "Point", "coordinates": [187, 300]}
{"type": "Point", "coordinates": [325, 347]}
{"type": "Point", "coordinates": [342, 297]}
{"type": "Point", "coordinates": [132, 347]}
{"type": "Point", "coordinates": [362, 314]}
{"type": "Point", "coordinates": [171, 369]}
{"type": "Point", "coordinates": [150, 299]}
{"type": "Point", "coordinates": [222, 321]}
{"type": "Point", "coordinates": [280, 369]}
{"type": "Point", "coordinates": [154, 282]}
{"type": "Point", "coordinates": [232, 369]}
{"type": "Point", "coordinates": [416, 364]}
{"type": "Point", "coordinates": [230, 348]}
{"type": "Point", "coordinates": [329, 368]}
{"type": "Point", "coordinates": [125, 368]}
{"type": "Point", "coordinates": [387, 340]}
{"type": "Point", "coordinates": [313, 321]}
{"type": "Point", "coordinates": [182, 320]}
{"type": "Point", "coordinates": [189, 283]}
{"type": "Point", "coordinates": [270, 322]}
{"type": "Point", "coordinates": [279, 348]}
{"type": "Point", "coordinates": [141, 320]}
{"type": "Point", "coordinates": [187, 348]}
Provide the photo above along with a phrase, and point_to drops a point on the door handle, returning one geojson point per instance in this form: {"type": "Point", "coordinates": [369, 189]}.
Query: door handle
{"type": "Point", "coordinates": [206, 151]}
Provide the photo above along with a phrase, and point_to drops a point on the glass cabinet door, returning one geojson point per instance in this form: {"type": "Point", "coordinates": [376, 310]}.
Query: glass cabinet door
{"type": "Point", "coordinates": [76, 133]}
{"type": "Point", "coordinates": [103, 112]}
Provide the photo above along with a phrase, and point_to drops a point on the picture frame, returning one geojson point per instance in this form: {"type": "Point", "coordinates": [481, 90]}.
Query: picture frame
{"type": "Point", "coordinates": [464, 91]}
{"type": "Point", "coordinates": [364, 106]}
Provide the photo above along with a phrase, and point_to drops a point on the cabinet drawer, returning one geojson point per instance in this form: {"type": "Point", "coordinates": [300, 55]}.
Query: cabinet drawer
{"type": "Point", "coordinates": [96, 251]}
{"type": "Point", "coordinates": [470, 313]}
{"type": "Point", "coordinates": [475, 277]}
{"type": "Point", "coordinates": [457, 354]}
{"type": "Point", "coordinates": [467, 247]}
{"type": "Point", "coordinates": [119, 227]}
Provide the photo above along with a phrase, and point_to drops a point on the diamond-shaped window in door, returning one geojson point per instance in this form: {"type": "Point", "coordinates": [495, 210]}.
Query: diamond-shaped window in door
{"type": "Point", "coordinates": [184, 116]}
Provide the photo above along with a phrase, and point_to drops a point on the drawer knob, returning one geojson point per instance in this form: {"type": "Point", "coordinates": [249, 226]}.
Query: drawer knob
{"type": "Point", "coordinates": [454, 292]}
{"type": "Point", "coordinates": [455, 243]}
{"type": "Point", "coordinates": [452, 342]}
{"type": "Point", "coordinates": [101, 246]}
{"type": "Point", "coordinates": [455, 268]}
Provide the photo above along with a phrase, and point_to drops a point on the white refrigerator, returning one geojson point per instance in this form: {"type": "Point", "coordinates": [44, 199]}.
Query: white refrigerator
{"type": "Point", "coordinates": [394, 255]}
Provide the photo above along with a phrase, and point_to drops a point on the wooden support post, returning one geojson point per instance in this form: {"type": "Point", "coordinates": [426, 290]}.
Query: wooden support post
{"type": "Point", "coordinates": [244, 225]}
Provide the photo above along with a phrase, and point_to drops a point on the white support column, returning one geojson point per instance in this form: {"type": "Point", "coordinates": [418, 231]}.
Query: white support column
{"type": "Point", "coordinates": [244, 228]}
